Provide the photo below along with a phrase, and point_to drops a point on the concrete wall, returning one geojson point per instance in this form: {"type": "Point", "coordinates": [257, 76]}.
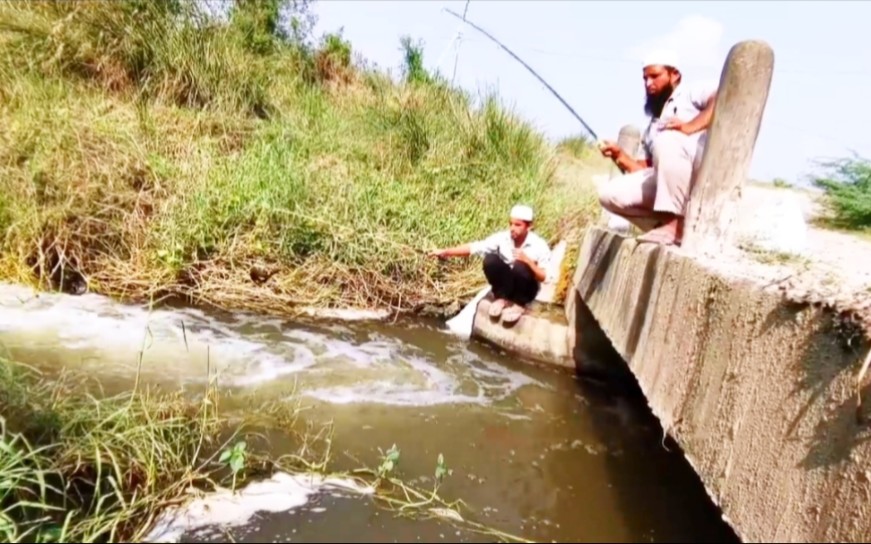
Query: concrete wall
{"type": "Point", "coordinates": [758, 391]}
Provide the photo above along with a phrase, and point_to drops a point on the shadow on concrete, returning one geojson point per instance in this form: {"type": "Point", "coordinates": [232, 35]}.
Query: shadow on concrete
{"type": "Point", "coordinates": [675, 491]}
{"type": "Point", "coordinates": [593, 353]}
{"type": "Point", "coordinates": [833, 352]}
{"type": "Point", "coordinates": [601, 258]}
{"type": "Point", "coordinates": [605, 248]}
{"type": "Point", "coordinates": [644, 295]}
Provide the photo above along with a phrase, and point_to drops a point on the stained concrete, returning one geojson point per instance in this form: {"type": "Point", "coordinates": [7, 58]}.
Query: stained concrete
{"type": "Point", "coordinates": [759, 391]}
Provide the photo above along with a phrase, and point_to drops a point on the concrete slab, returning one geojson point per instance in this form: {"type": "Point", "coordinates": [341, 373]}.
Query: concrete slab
{"type": "Point", "coordinates": [541, 335]}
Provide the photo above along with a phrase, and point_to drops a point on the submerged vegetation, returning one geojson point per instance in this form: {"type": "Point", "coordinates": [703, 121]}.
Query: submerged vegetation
{"type": "Point", "coordinates": [152, 149]}
{"type": "Point", "coordinates": [76, 467]}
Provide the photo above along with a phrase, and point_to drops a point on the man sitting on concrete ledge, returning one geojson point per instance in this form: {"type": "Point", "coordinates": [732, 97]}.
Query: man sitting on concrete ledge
{"type": "Point", "coordinates": [515, 264]}
{"type": "Point", "coordinates": [653, 192]}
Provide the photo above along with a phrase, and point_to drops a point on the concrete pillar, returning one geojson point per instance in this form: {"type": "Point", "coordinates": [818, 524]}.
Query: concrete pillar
{"type": "Point", "coordinates": [629, 138]}
{"type": "Point", "coordinates": [720, 178]}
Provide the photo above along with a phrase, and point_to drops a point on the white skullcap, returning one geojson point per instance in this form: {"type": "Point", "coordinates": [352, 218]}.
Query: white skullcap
{"type": "Point", "coordinates": [661, 57]}
{"type": "Point", "coordinates": [524, 213]}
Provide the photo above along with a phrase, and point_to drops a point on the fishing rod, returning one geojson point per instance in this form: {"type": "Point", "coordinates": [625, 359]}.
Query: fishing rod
{"type": "Point", "coordinates": [533, 72]}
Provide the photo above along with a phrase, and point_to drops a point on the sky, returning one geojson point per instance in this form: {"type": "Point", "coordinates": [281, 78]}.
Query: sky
{"type": "Point", "coordinates": [590, 52]}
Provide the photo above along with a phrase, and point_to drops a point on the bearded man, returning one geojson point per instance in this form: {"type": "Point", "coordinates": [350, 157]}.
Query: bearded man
{"type": "Point", "coordinates": [652, 193]}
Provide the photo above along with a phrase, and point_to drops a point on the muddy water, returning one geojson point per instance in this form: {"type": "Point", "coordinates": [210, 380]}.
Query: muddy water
{"type": "Point", "coordinates": [534, 452]}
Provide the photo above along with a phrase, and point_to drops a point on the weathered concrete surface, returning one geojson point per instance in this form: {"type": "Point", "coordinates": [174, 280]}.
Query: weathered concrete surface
{"type": "Point", "coordinates": [541, 335]}
{"type": "Point", "coordinates": [758, 391]}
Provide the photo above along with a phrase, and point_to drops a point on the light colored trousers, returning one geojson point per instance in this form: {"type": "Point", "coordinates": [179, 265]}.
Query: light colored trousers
{"type": "Point", "coordinates": [663, 188]}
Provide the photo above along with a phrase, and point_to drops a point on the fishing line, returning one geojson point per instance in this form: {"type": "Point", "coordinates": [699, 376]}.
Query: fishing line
{"type": "Point", "coordinates": [533, 72]}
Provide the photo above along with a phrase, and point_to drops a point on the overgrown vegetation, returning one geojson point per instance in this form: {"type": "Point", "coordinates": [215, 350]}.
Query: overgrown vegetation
{"type": "Point", "coordinates": [153, 150]}
{"type": "Point", "coordinates": [81, 468]}
{"type": "Point", "coordinates": [75, 468]}
{"type": "Point", "coordinates": [847, 185]}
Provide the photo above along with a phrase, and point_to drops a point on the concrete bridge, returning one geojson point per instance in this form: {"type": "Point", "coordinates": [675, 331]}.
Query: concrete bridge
{"type": "Point", "coordinates": [762, 389]}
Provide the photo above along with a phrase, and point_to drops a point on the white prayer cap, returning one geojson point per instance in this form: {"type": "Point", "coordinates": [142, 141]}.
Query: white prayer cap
{"type": "Point", "coordinates": [524, 213]}
{"type": "Point", "coordinates": [661, 57]}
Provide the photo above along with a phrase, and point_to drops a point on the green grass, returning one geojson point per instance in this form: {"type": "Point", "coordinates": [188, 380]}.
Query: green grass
{"type": "Point", "coordinates": [153, 152]}
{"type": "Point", "coordinates": [847, 186]}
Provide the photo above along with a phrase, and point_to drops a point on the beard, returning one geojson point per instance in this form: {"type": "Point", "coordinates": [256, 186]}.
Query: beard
{"type": "Point", "coordinates": [654, 103]}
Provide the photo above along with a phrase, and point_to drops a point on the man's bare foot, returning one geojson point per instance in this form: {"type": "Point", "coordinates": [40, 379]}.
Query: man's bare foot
{"type": "Point", "coordinates": [668, 233]}
{"type": "Point", "coordinates": [497, 307]}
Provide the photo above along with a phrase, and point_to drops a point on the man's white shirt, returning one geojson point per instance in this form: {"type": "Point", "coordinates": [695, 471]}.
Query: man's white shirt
{"type": "Point", "coordinates": [534, 247]}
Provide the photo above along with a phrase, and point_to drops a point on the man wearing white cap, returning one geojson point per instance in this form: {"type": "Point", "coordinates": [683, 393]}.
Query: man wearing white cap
{"type": "Point", "coordinates": [653, 191]}
{"type": "Point", "coordinates": [515, 263]}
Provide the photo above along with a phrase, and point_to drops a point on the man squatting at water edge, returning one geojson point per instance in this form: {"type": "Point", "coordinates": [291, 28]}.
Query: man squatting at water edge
{"type": "Point", "coordinates": [653, 192]}
{"type": "Point", "coordinates": [515, 264]}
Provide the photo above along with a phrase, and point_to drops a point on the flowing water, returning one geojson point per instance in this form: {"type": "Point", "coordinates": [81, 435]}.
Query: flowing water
{"type": "Point", "coordinates": [535, 452]}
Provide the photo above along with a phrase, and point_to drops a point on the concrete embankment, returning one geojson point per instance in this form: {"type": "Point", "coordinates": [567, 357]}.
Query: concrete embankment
{"type": "Point", "coordinates": [758, 390]}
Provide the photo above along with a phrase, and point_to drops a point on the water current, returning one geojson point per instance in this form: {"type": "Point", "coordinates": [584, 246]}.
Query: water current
{"type": "Point", "coordinates": [535, 452]}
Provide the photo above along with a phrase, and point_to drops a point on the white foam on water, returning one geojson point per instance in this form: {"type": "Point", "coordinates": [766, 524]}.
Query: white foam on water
{"type": "Point", "coordinates": [391, 393]}
{"type": "Point", "coordinates": [332, 365]}
{"type": "Point", "coordinates": [224, 508]}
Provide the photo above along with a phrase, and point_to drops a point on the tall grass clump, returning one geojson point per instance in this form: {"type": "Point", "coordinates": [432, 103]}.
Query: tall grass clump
{"type": "Point", "coordinates": [152, 150]}
{"type": "Point", "coordinates": [80, 468]}
{"type": "Point", "coordinates": [847, 186]}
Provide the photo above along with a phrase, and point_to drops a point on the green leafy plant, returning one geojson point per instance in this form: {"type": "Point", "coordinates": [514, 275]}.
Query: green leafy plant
{"type": "Point", "coordinates": [389, 462]}
{"type": "Point", "coordinates": [415, 72]}
{"type": "Point", "coordinates": [234, 458]}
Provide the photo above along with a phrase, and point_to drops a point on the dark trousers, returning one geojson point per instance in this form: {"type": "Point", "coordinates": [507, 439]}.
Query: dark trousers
{"type": "Point", "coordinates": [516, 282]}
